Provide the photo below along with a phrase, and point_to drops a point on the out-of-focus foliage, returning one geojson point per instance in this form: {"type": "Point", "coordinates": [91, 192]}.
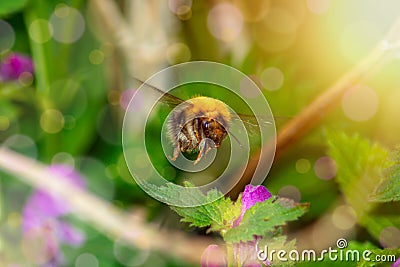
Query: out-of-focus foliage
{"type": "Point", "coordinates": [361, 166]}
{"type": "Point", "coordinates": [8, 7]}
{"type": "Point", "coordinates": [389, 187]}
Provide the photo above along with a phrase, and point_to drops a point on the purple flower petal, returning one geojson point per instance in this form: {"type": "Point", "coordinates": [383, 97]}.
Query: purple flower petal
{"type": "Point", "coordinates": [251, 196]}
{"type": "Point", "coordinates": [41, 205]}
{"type": "Point", "coordinates": [69, 174]}
{"type": "Point", "coordinates": [70, 235]}
{"type": "Point", "coordinates": [14, 65]}
{"type": "Point", "coordinates": [43, 212]}
{"type": "Point", "coordinates": [213, 256]}
{"type": "Point", "coordinates": [397, 263]}
{"type": "Point", "coordinates": [254, 194]}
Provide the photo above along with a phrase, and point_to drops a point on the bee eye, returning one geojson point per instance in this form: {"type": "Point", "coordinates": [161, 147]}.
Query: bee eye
{"type": "Point", "coordinates": [205, 124]}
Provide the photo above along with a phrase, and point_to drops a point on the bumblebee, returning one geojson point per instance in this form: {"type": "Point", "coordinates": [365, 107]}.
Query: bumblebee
{"type": "Point", "coordinates": [198, 124]}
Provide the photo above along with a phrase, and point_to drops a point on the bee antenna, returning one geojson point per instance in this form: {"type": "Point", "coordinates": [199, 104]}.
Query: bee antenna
{"type": "Point", "coordinates": [234, 137]}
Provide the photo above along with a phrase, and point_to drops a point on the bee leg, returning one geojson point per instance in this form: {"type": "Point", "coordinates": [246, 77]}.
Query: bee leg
{"type": "Point", "coordinates": [195, 127]}
{"type": "Point", "coordinates": [205, 146]}
{"type": "Point", "coordinates": [180, 147]}
{"type": "Point", "coordinates": [177, 149]}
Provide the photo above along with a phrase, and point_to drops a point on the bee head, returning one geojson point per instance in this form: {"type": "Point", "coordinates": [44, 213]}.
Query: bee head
{"type": "Point", "coordinates": [213, 130]}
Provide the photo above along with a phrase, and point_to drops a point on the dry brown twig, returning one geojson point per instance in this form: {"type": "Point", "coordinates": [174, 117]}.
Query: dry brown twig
{"type": "Point", "coordinates": [120, 224]}
{"type": "Point", "coordinates": [313, 113]}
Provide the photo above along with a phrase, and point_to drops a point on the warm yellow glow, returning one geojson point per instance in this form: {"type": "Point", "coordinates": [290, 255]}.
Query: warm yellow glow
{"type": "Point", "coordinates": [178, 53]}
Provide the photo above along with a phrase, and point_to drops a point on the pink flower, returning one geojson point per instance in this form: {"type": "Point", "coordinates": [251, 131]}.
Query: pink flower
{"type": "Point", "coordinates": [43, 214]}
{"type": "Point", "coordinates": [246, 252]}
{"type": "Point", "coordinates": [213, 256]}
{"type": "Point", "coordinates": [14, 65]}
{"type": "Point", "coordinates": [251, 196]}
{"type": "Point", "coordinates": [397, 263]}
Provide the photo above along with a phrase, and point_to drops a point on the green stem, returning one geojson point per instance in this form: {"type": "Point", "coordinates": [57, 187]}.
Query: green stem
{"type": "Point", "coordinates": [230, 255]}
{"type": "Point", "coordinates": [1, 204]}
{"type": "Point", "coordinates": [42, 75]}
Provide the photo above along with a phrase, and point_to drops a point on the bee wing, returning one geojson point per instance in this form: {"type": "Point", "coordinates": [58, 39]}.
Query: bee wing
{"type": "Point", "coordinates": [166, 98]}
{"type": "Point", "coordinates": [254, 120]}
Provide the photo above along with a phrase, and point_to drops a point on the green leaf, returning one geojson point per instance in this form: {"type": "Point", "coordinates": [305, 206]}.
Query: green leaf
{"type": "Point", "coordinates": [264, 217]}
{"type": "Point", "coordinates": [7, 7]}
{"type": "Point", "coordinates": [230, 213]}
{"type": "Point", "coordinates": [215, 214]}
{"type": "Point", "coordinates": [389, 189]}
{"type": "Point", "coordinates": [360, 165]}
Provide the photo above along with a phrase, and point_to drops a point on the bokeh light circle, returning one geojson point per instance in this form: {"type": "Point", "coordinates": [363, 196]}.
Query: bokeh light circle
{"type": "Point", "coordinates": [389, 237]}
{"type": "Point", "coordinates": [65, 159]}
{"type": "Point", "coordinates": [86, 260]}
{"type": "Point", "coordinates": [129, 256]}
{"type": "Point", "coordinates": [254, 10]}
{"type": "Point", "coordinates": [303, 166]}
{"type": "Point", "coordinates": [290, 191]}
{"type": "Point", "coordinates": [318, 6]}
{"type": "Point", "coordinates": [360, 104]}
{"type": "Point", "coordinates": [40, 31]}
{"type": "Point", "coordinates": [182, 8]}
{"type": "Point", "coordinates": [344, 217]}
{"type": "Point", "coordinates": [178, 53]}
{"type": "Point", "coordinates": [25, 78]}
{"type": "Point", "coordinates": [7, 36]}
{"type": "Point", "coordinates": [176, 6]}
{"type": "Point", "coordinates": [136, 153]}
{"type": "Point", "coordinates": [96, 57]}
{"type": "Point", "coordinates": [52, 121]}
{"type": "Point", "coordinates": [272, 78]}
{"type": "Point", "coordinates": [225, 22]}
{"type": "Point", "coordinates": [22, 144]}
{"type": "Point", "coordinates": [325, 168]}
{"type": "Point", "coordinates": [68, 24]}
